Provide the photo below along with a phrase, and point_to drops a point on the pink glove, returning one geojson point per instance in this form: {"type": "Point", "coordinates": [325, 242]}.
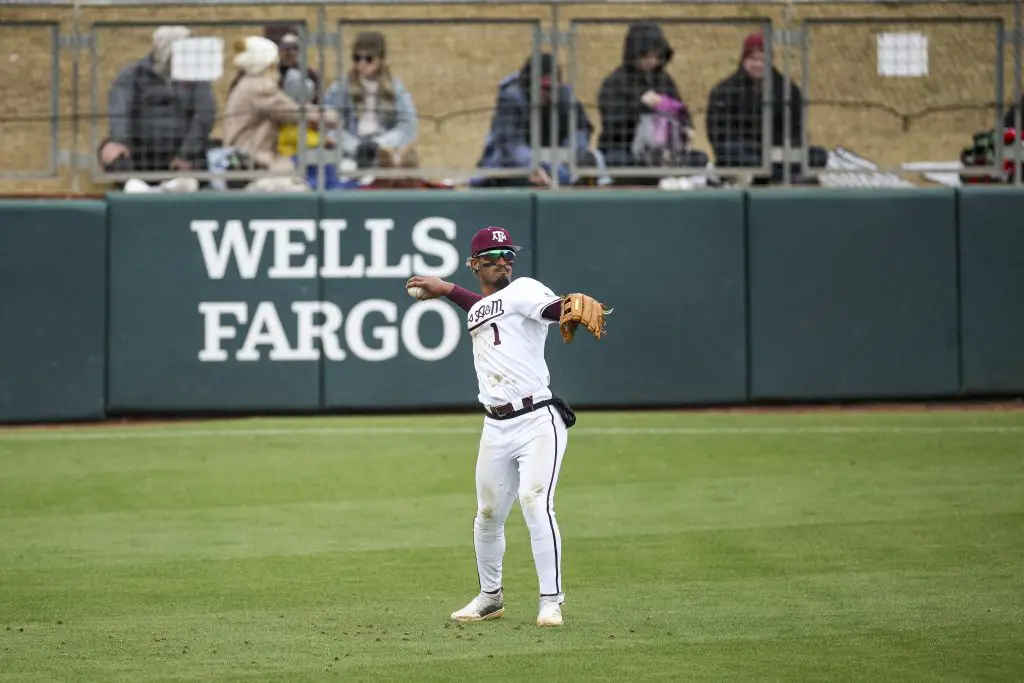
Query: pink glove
{"type": "Point", "coordinates": [668, 104]}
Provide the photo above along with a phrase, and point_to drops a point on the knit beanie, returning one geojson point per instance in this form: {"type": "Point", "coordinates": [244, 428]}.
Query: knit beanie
{"type": "Point", "coordinates": [370, 42]}
{"type": "Point", "coordinates": [751, 44]}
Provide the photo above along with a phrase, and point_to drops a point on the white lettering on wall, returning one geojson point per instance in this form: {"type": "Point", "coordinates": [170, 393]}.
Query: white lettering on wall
{"type": "Point", "coordinates": [326, 332]}
{"type": "Point", "coordinates": [386, 335]}
{"type": "Point", "coordinates": [426, 244]}
{"type": "Point", "coordinates": [266, 330]}
{"type": "Point", "coordinates": [295, 252]}
{"type": "Point", "coordinates": [332, 268]}
{"type": "Point", "coordinates": [372, 330]}
{"type": "Point", "coordinates": [371, 319]}
{"type": "Point", "coordinates": [379, 229]}
{"type": "Point", "coordinates": [233, 241]}
{"type": "Point", "coordinates": [451, 326]}
{"type": "Point", "coordinates": [214, 331]}
{"type": "Point", "coordinates": [285, 249]}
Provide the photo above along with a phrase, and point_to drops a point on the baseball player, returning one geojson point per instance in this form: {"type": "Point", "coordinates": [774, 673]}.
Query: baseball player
{"type": "Point", "coordinates": [524, 433]}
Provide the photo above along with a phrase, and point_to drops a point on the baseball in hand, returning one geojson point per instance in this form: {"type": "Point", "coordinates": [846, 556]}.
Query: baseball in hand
{"type": "Point", "coordinates": [416, 292]}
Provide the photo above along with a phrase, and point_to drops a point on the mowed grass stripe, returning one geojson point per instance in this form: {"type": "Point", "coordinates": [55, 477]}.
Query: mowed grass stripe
{"type": "Point", "coordinates": [691, 557]}
{"type": "Point", "coordinates": [425, 431]}
{"type": "Point", "coordinates": [151, 528]}
{"type": "Point", "coordinates": [599, 424]}
{"type": "Point", "coordinates": [412, 631]}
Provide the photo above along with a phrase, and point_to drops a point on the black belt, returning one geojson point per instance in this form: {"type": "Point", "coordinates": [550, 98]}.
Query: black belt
{"type": "Point", "coordinates": [508, 411]}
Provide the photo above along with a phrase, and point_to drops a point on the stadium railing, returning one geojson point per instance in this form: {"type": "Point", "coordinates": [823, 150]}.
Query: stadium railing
{"type": "Point", "coordinates": [906, 86]}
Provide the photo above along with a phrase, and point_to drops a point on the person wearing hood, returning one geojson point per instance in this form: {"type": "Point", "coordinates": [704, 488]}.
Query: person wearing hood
{"type": "Point", "coordinates": [301, 88]}
{"type": "Point", "coordinates": [734, 114]}
{"type": "Point", "coordinates": [157, 123]}
{"type": "Point", "coordinates": [508, 142]}
{"type": "Point", "coordinates": [638, 88]}
{"type": "Point", "coordinates": [257, 106]}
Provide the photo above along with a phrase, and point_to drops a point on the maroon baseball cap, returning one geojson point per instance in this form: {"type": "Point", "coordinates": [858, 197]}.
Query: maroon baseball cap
{"type": "Point", "coordinates": [491, 237]}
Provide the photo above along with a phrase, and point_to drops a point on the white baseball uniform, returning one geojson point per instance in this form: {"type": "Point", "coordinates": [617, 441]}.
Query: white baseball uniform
{"type": "Point", "coordinates": [519, 456]}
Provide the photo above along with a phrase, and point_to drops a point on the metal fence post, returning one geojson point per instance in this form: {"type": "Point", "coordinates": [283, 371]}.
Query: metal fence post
{"type": "Point", "coordinates": [55, 100]}
{"type": "Point", "coordinates": [556, 138]}
{"type": "Point", "coordinates": [573, 122]}
{"type": "Point", "coordinates": [767, 113]}
{"type": "Point", "coordinates": [538, 39]}
{"type": "Point", "coordinates": [805, 64]}
{"type": "Point", "coordinates": [338, 155]}
{"type": "Point", "coordinates": [93, 96]}
{"type": "Point", "coordinates": [787, 116]}
{"type": "Point", "coordinates": [321, 44]}
{"type": "Point", "coordinates": [1018, 144]}
{"type": "Point", "coordinates": [999, 151]}
{"type": "Point", "coordinates": [302, 150]}
{"type": "Point", "coordinates": [76, 116]}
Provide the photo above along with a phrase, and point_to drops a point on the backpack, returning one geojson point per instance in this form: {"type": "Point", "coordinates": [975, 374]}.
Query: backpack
{"type": "Point", "coordinates": [659, 140]}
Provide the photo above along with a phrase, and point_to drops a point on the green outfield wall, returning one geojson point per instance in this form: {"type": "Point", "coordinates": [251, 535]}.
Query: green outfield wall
{"type": "Point", "coordinates": [295, 303]}
{"type": "Point", "coordinates": [53, 310]}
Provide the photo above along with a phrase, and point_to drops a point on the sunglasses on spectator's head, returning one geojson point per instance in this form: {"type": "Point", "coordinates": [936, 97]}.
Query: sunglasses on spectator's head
{"type": "Point", "coordinates": [360, 57]}
{"type": "Point", "coordinates": [492, 255]}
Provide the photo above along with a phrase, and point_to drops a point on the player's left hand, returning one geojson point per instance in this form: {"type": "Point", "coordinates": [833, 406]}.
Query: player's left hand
{"type": "Point", "coordinates": [581, 309]}
{"type": "Point", "coordinates": [431, 284]}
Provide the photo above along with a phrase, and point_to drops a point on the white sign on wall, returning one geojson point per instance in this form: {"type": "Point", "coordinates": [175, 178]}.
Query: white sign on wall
{"type": "Point", "coordinates": [902, 55]}
{"type": "Point", "coordinates": [197, 59]}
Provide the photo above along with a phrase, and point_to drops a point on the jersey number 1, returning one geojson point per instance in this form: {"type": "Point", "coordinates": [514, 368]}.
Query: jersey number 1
{"type": "Point", "coordinates": [497, 337]}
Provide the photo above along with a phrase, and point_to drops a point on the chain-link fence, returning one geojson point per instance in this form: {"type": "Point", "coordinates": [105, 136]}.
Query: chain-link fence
{"type": "Point", "coordinates": [224, 94]}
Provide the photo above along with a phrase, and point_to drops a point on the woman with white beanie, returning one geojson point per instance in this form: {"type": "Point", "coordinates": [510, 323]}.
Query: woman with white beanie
{"type": "Point", "coordinates": [257, 106]}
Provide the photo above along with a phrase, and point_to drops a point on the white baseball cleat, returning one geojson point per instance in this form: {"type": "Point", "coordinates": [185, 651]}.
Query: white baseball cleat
{"type": "Point", "coordinates": [550, 614]}
{"type": "Point", "coordinates": [482, 608]}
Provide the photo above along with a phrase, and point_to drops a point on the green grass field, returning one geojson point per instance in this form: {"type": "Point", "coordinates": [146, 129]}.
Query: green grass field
{"type": "Point", "coordinates": [697, 547]}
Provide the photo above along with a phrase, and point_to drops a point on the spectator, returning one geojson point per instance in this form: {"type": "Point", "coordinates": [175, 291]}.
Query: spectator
{"type": "Point", "coordinates": [157, 123]}
{"type": "Point", "coordinates": [300, 89]}
{"type": "Point", "coordinates": [257, 107]}
{"type": "Point", "coordinates": [508, 143]}
{"type": "Point", "coordinates": [734, 115]}
{"type": "Point", "coordinates": [376, 112]}
{"type": "Point", "coordinates": [641, 97]}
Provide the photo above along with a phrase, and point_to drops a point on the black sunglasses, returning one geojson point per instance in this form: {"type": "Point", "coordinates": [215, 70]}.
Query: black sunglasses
{"type": "Point", "coordinates": [492, 256]}
{"type": "Point", "coordinates": [369, 59]}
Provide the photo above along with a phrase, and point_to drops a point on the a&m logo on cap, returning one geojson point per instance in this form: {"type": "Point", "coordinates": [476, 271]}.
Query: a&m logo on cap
{"type": "Point", "coordinates": [491, 237]}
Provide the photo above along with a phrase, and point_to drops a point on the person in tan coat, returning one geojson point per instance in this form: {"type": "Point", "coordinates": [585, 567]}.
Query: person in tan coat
{"type": "Point", "coordinates": [257, 106]}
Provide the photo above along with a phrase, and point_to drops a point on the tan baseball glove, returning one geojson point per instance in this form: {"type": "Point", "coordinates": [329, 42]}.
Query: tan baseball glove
{"type": "Point", "coordinates": [580, 309]}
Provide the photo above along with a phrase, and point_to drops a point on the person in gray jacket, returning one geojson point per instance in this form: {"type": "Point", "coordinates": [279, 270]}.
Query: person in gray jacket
{"type": "Point", "coordinates": [156, 123]}
{"type": "Point", "coordinates": [376, 113]}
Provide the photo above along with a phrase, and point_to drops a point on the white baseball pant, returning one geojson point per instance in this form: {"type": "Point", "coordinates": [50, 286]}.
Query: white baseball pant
{"type": "Point", "coordinates": [520, 457]}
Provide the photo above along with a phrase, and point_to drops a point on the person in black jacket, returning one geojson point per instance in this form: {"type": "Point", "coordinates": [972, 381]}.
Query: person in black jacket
{"type": "Point", "coordinates": [508, 143]}
{"type": "Point", "coordinates": [157, 123]}
{"type": "Point", "coordinates": [633, 90]}
{"type": "Point", "coordinates": [1010, 118]}
{"type": "Point", "coordinates": [734, 114]}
